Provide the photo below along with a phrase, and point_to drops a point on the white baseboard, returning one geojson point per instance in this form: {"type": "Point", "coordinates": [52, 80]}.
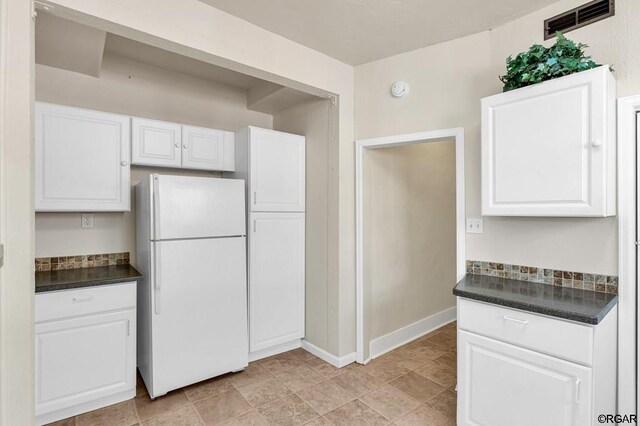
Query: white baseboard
{"type": "Point", "coordinates": [326, 356]}
{"type": "Point", "coordinates": [275, 350]}
{"type": "Point", "coordinates": [389, 342]}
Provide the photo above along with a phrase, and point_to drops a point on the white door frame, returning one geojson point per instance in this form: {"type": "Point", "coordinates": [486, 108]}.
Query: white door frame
{"type": "Point", "coordinates": [393, 141]}
{"type": "Point", "coordinates": [628, 110]}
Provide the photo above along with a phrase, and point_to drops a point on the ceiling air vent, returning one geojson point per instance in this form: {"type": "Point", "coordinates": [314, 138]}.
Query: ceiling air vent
{"type": "Point", "coordinates": [579, 17]}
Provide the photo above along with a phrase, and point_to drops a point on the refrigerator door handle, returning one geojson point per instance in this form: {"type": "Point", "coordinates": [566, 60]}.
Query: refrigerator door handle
{"type": "Point", "coordinates": [156, 207]}
{"type": "Point", "coordinates": [156, 278]}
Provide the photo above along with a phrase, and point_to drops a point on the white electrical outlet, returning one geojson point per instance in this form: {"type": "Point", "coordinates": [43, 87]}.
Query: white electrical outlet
{"type": "Point", "coordinates": [475, 226]}
{"type": "Point", "coordinates": [87, 221]}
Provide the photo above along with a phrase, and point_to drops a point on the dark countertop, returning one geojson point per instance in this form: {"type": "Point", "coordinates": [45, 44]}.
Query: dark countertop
{"type": "Point", "coordinates": [572, 304]}
{"type": "Point", "coordinates": [86, 277]}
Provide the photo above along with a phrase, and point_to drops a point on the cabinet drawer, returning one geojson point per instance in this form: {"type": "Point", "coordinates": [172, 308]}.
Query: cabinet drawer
{"type": "Point", "coordinates": [72, 303]}
{"type": "Point", "coordinates": [563, 339]}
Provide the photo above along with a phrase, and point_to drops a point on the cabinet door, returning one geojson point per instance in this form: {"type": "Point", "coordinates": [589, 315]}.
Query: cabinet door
{"type": "Point", "coordinates": [277, 180]}
{"type": "Point", "coordinates": [549, 149]}
{"type": "Point", "coordinates": [83, 359]}
{"type": "Point", "coordinates": [276, 279]}
{"type": "Point", "coordinates": [207, 149]}
{"type": "Point", "coordinates": [156, 143]}
{"type": "Point", "coordinates": [81, 160]}
{"type": "Point", "coordinates": [504, 385]}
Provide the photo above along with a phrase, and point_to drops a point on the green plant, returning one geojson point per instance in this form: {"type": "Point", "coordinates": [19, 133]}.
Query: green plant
{"type": "Point", "coordinates": [541, 63]}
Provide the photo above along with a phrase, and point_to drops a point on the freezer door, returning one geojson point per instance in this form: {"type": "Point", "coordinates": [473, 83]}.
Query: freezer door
{"type": "Point", "coordinates": [196, 207]}
{"type": "Point", "coordinates": [199, 313]}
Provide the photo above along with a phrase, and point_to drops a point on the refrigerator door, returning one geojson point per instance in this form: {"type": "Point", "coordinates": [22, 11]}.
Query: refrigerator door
{"type": "Point", "coordinates": [199, 311]}
{"type": "Point", "coordinates": [195, 207]}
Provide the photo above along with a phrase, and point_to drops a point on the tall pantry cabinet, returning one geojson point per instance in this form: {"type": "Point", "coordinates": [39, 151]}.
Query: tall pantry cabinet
{"type": "Point", "coordinates": [273, 166]}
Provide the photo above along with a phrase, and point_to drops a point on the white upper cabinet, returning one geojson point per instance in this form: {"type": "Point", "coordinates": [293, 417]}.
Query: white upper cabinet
{"type": "Point", "coordinates": [550, 149]}
{"type": "Point", "coordinates": [156, 143]}
{"type": "Point", "coordinates": [207, 149]}
{"type": "Point", "coordinates": [81, 160]}
{"type": "Point", "coordinates": [163, 144]}
{"type": "Point", "coordinates": [277, 171]}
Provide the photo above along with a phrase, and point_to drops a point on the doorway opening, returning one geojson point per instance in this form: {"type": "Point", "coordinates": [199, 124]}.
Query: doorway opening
{"type": "Point", "coordinates": [392, 302]}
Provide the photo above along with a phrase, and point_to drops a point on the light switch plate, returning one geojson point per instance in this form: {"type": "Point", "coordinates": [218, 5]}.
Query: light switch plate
{"type": "Point", "coordinates": [475, 226]}
{"type": "Point", "coordinates": [87, 221]}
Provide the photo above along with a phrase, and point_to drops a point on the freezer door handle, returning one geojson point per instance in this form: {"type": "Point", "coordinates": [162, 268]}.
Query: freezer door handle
{"type": "Point", "coordinates": [156, 278]}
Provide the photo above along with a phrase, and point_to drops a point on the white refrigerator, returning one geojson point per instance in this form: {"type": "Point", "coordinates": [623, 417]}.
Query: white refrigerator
{"type": "Point", "coordinates": [192, 302]}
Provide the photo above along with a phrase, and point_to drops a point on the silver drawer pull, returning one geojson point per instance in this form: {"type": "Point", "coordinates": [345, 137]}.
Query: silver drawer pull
{"type": "Point", "coordinates": [508, 318]}
{"type": "Point", "coordinates": [82, 299]}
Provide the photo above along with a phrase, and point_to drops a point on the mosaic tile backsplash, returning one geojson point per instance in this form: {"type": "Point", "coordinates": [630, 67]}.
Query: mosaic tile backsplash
{"type": "Point", "coordinates": [82, 261]}
{"type": "Point", "coordinates": [593, 282]}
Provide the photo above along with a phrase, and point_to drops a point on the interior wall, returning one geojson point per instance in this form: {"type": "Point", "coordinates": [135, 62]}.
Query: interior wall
{"type": "Point", "coordinates": [17, 357]}
{"type": "Point", "coordinates": [314, 120]}
{"type": "Point", "coordinates": [409, 201]}
{"type": "Point", "coordinates": [447, 82]}
{"type": "Point", "coordinates": [132, 88]}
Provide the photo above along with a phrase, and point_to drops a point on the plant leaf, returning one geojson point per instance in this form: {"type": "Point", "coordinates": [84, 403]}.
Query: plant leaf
{"type": "Point", "coordinates": [540, 63]}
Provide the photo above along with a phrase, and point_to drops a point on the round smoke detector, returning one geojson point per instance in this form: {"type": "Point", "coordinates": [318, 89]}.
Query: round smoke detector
{"type": "Point", "coordinates": [399, 89]}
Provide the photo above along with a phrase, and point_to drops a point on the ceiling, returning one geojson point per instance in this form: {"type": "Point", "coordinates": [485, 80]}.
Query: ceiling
{"type": "Point", "coordinates": [360, 31]}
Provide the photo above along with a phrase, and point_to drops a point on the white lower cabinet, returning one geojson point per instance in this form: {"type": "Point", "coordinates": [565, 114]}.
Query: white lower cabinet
{"type": "Point", "coordinates": [276, 279]}
{"type": "Point", "coordinates": [85, 343]}
{"type": "Point", "coordinates": [501, 381]}
{"type": "Point", "coordinates": [508, 374]}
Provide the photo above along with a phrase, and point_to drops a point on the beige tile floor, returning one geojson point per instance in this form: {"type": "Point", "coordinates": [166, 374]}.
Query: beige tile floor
{"type": "Point", "coordinates": [412, 385]}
